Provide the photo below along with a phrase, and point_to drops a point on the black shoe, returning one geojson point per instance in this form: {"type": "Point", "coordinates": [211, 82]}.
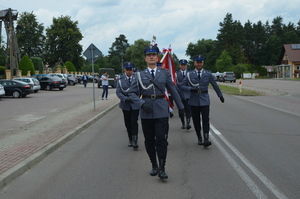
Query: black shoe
{"type": "Point", "coordinates": [188, 127]}
{"type": "Point", "coordinates": [162, 174]}
{"type": "Point", "coordinates": [183, 126]}
{"type": "Point", "coordinates": [154, 171]}
{"type": "Point", "coordinates": [135, 145]}
{"type": "Point", "coordinates": [200, 142]}
{"type": "Point", "coordinates": [171, 114]}
{"type": "Point", "coordinates": [130, 143]}
{"type": "Point", "coordinates": [206, 143]}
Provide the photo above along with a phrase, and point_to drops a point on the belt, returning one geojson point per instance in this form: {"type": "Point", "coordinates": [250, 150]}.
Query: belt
{"type": "Point", "coordinates": [153, 96]}
{"type": "Point", "coordinates": [199, 91]}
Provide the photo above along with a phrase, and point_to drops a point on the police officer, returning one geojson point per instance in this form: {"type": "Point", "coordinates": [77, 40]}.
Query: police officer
{"type": "Point", "coordinates": [130, 110]}
{"type": "Point", "coordinates": [180, 75]}
{"type": "Point", "coordinates": [197, 82]}
{"type": "Point", "coordinates": [148, 91]}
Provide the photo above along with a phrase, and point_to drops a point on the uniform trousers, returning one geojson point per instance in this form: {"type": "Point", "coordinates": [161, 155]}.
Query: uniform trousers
{"type": "Point", "coordinates": [156, 136]}
{"type": "Point", "coordinates": [131, 122]}
{"type": "Point", "coordinates": [187, 108]}
{"type": "Point", "coordinates": [204, 111]}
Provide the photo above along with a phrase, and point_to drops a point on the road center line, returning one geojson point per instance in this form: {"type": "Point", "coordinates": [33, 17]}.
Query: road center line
{"type": "Point", "coordinates": [258, 174]}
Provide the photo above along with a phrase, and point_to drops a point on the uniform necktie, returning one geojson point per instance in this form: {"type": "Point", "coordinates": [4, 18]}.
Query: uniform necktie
{"type": "Point", "coordinates": [152, 73]}
{"type": "Point", "coordinates": [199, 74]}
{"type": "Point", "coordinates": [129, 79]}
{"type": "Point", "coordinates": [183, 75]}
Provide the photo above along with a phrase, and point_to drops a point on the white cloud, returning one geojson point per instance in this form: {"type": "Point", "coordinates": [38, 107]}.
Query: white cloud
{"type": "Point", "coordinates": [173, 22]}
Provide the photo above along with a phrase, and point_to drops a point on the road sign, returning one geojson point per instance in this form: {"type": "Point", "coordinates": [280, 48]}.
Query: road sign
{"type": "Point", "coordinates": [92, 53]}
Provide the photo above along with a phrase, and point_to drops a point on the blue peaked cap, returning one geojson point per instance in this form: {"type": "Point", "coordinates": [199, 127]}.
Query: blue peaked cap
{"type": "Point", "coordinates": [128, 65]}
{"type": "Point", "coordinates": [151, 50]}
{"type": "Point", "coordinates": [198, 58]}
{"type": "Point", "coordinates": [183, 61]}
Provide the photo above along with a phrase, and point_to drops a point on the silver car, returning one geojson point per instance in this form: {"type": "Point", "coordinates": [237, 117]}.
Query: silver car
{"type": "Point", "coordinates": [2, 91]}
{"type": "Point", "coordinates": [33, 82]}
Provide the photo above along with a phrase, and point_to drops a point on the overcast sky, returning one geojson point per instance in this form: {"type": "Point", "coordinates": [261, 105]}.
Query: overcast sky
{"type": "Point", "coordinates": [175, 22]}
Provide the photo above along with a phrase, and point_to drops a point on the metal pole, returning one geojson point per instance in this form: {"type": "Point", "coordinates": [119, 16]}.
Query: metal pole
{"type": "Point", "coordinates": [93, 77]}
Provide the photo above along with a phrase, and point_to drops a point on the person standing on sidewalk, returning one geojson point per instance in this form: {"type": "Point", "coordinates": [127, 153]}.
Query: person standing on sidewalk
{"type": "Point", "coordinates": [180, 75]}
{"type": "Point", "coordinates": [130, 110]}
{"type": "Point", "coordinates": [197, 82]}
{"type": "Point", "coordinates": [104, 82]}
{"type": "Point", "coordinates": [148, 90]}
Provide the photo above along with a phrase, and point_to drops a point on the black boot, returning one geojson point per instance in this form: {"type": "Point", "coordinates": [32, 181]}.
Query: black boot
{"type": "Point", "coordinates": [188, 120]}
{"type": "Point", "coordinates": [206, 141]}
{"type": "Point", "coordinates": [154, 170]}
{"type": "Point", "coordinates": [199, 138]}
{"type": "Point", "coordinates": [130, 143]}
{"type": "Point", "coordinates": [134, 142]}
{"type": "Point", "coordinates": [182, 121]}
{"type": "Point", "coordinates": [161, 170]}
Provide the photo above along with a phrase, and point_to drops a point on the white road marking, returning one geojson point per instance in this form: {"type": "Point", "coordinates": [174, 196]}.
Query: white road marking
{"type": "Point", "coordinates": [242, 173]}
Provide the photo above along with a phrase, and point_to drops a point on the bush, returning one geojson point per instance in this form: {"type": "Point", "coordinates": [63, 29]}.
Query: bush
{"type": "Point", "coordinates": [26, 65]}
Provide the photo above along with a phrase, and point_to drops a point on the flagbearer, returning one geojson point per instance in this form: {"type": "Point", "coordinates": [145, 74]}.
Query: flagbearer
{"type": "Point", "coordinates": [196, 82]}
{"type": "Point", "coordinates": [130, 110]}
{"type": "Point", "coordinates": [181, 74]}
{"type": "Point", "coordinates": [147, 90]}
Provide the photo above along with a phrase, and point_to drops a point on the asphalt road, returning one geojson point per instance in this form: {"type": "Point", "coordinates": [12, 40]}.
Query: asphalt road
{"type": "Point", "coordinates": [255, 154]}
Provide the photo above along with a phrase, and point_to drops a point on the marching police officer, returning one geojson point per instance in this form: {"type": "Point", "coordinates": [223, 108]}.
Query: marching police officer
{"type": "Point", "coordinates": [148, 90]}
{"type": "Point", "coordinates": [130, 110]}
{"type": "Point", "coordinates": [180, 75]}
{"type": "Point", "coordinates": [197, 82]}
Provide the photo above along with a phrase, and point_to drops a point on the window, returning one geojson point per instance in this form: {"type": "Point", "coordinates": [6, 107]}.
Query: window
{"type": "Point", "coordinates": [295, 46]}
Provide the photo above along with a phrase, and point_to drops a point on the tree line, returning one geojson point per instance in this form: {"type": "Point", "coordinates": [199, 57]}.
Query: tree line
{"type": "Point", "coordinates": [238, 47]}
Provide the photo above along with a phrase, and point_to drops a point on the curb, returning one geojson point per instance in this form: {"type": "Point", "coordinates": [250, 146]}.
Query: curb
{"type": "Point", "coordinates": [26, 164]}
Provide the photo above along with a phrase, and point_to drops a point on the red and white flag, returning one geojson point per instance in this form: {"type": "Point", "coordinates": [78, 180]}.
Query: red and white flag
{"type": "Point", "coordinates": [167, 63]}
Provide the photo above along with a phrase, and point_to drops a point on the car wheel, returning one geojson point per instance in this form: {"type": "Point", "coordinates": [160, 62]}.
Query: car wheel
{"type": "Point", "coordinates": [61, 89]}
{"type": "Point", "coordinates": [36, 91]}
{"type": "Point", "coordinates": [16, 94]}
{"type": "Point", "coordinates": [71, 83]}
{"type": "Point", "coordinates": [234, 81]}
{"type": "Point", "coordinates": [48, 88]}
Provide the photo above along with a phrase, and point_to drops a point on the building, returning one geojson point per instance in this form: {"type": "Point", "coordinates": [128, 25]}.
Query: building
{"type": "Point", "coordinates": [289, 62]}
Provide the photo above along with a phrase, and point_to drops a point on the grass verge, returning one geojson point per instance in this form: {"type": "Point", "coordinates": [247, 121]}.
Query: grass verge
{"type": "Point", "coordinates": [236, 91]}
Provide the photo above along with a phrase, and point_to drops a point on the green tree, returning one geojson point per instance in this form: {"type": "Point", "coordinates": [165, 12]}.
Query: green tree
{"type": "Point", "coordinates": [62, 42]}
{"type": "Point", "coordinates": [29, 35]}
{"type": "Point", "coordinates": [26, 65]}
{"type": "Point", "coordinates": [38, 64]}
{"type": "Point", "coordinates": [135, 53]}
{"type": "Point", "coordinates": [116, 53]}
{"type": "Point", "coordinates": [70, 66]}
{"type": "Point", "coordinates": [224, 62]}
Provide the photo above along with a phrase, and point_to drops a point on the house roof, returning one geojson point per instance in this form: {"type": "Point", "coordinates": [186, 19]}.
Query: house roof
{"type": "Point", "coordinates": [292, 51]}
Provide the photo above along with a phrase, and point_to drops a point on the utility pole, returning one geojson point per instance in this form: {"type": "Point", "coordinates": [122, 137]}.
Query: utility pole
{"type": "Point", "coordinates": [8, 16]}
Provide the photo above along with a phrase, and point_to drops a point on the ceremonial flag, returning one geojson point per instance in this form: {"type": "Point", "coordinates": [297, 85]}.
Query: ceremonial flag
{"type": "Point", "coordinates": [167, 63]}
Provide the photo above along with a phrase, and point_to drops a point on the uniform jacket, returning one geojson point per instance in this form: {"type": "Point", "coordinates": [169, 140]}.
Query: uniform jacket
{"type": "Point", "coordinates": [200, 99]}
{"type": "Point", "coordinates": [122, 90]}
{"type": "Point", "coordinates": [180, 78]}
{"type": "Point", "coordinates": [163, 81]}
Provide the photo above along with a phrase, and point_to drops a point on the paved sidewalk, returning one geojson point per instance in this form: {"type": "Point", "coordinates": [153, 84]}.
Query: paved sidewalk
{"type": "Point", "coordinates": [22, 149]}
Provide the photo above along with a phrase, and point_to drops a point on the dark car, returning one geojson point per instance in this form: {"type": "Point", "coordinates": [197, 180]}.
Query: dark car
{"type": "Point", "coordinates": [72, 79]}
{"type": "Point", "coordinates": [79, 78]}
{"type": "Point", "coordinates": [227, 76]}
{"type": "Point", "coordinates": [16, 88]}
{"type": "Point", "coordinates": [50, 82]}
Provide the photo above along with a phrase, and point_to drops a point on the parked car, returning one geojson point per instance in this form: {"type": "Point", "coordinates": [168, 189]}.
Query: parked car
{"type": "Point", "coordinates": [62, 76]}
{"type": "Point", "coordinates": [79, 78]}
{"type": "Point", "coordinates": [33, 82]}
{"type": "Point", "coordinates": [90, 78]}
{"type": "Point", "coordinates": [227, 76]}
{"type": "Point", "coordinates": [2, 91]}
{"type": "Point", "coordinates": [16, 88]}
{"type": "Point", "coordinates": [72, 79]}
{"type": "Point", "coordinates": [50, 82]}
